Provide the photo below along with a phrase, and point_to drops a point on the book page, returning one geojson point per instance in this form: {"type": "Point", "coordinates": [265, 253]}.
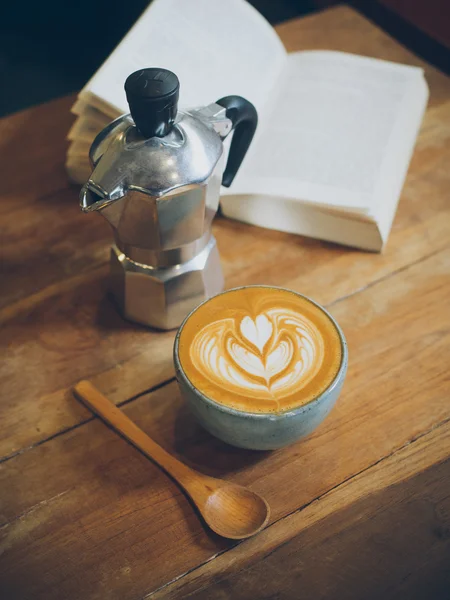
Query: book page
{"type": "Point", "coordinates": [215, 48]}
{"type": "Point", "coordinates": [328, 131]}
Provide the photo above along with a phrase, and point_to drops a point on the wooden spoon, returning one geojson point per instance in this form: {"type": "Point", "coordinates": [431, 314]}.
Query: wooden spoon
{"type": "Point", "coordinates": [230, 510]}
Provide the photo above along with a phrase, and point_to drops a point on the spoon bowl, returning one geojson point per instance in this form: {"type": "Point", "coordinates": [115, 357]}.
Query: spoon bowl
{"type": "Point", "coordinates": [235, 512]}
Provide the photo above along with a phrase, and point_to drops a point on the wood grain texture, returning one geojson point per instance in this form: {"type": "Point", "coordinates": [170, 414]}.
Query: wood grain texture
{"type": "Point", "coordinates": [389, 524]}
{"type": "Point", "coordinates": [101, 521]}
{"type": "Point", "coordinates": [83, 515]}
{"type": "Point", "coordinates": [43, 241]}
{"type": "Point", "coordinates": [57, 324]}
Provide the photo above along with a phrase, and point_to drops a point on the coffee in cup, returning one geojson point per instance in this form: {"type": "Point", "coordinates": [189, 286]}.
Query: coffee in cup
{"type": "Point", "coordinates": [261, 351]}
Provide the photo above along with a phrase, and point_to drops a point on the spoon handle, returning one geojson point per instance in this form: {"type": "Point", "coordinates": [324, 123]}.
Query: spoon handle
{"type": "Point", "coordinates": [118, 420]}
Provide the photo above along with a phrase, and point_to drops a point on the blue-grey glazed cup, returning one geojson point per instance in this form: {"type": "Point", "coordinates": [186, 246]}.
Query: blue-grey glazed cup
{"type": "Point", "coordinates": [260, 431]}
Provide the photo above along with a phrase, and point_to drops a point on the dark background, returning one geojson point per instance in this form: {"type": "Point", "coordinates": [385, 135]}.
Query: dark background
{"type": "Point", "coordinates": [51, 48]}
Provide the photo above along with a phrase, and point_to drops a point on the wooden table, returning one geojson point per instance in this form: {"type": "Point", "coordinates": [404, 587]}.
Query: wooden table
{"type": "Point", "coordinates": [360, 509]}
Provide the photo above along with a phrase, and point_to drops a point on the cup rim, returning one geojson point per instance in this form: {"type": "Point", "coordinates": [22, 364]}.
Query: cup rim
{"type": "Point", "coordinates": [261, 415]}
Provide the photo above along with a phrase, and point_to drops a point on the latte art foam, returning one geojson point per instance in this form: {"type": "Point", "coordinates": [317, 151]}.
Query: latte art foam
{"type": "Point", "coordinates": [267, 356]}
{"type": "Point", "coordinates": [259, 349]}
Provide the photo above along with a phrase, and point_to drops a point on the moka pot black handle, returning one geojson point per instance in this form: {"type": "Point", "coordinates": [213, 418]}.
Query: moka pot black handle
{"type": "Point", "coordinates": [244, 118]}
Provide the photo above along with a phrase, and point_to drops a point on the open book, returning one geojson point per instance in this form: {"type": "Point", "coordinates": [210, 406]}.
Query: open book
{"type": "Point", "coordinates": [335, 134]}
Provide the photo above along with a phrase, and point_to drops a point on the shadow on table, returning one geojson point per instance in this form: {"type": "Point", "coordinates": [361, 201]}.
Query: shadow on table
{"type": "Point", "coordinates": [109, 317]}
{"type": "Point", "coordinates": [202, 451]}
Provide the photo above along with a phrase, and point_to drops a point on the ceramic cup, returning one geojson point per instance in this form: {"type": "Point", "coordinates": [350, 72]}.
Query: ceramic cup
{"type": "Point", "coordinates": [260, 431]}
